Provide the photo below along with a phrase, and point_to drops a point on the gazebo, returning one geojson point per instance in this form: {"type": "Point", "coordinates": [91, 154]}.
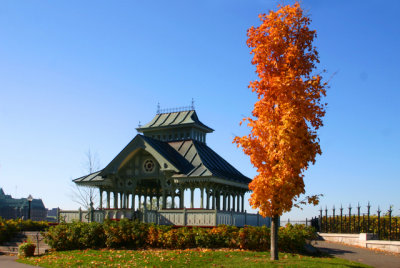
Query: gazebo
{"type": "Point", "coordinates": [148, 178]}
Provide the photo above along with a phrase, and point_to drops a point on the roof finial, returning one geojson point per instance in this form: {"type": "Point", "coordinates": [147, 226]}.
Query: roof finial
{"type": "Point", "coordinates": [192, 104]}
{"type": "Point", "coordinates": [158, 108]}
{"type": "Point", "coordinates": [140, 125]}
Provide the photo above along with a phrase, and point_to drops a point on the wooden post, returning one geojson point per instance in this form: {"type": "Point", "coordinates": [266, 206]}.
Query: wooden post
{"type": "Point", "coordinates": [201, 197]}
{"type": "Point", "coordinates": [115, 200]}
{"type": "Point", "coordinates": [133, 199]}
{"type": "Point", "coordinates": [216, 217]}
{"type": "Point", "coordinates": [224, 201]}
{"type": "Point", "coordinates": [164, 200]}
{"type": "Point", "coordinates": [108, 199]}
{"type": "Point", "coordinates": [238, 203]}
{"type": "Point", "coordinates": [101, 198]}
{"type": "Point", "coordinates": [191, 197]}
{"type": "Point", "coordinates": [121, 202]}
{"type": "Point", "coordinates": [208, 198]}
{"type": "Point", "coordinates": [80, 214]}
{"type": "Point", "coordinates": [242, 203]}
{"type": "Point", "coordinates": [173, 198]}
{"type": "Point", "coordinates": [184, 217]}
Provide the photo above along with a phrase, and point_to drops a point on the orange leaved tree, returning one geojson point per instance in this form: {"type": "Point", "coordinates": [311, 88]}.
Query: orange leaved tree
{"type": "Point", "coordinates": [283, 139]}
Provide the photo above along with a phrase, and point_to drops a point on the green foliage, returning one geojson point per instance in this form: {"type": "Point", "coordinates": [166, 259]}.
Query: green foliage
{"type": "Point", "coordinates": [9, 228]}
{"type": "Point", "coordinates": [76, 235]}
{"type": "Point", "coordinates": [199, 257]}
{"type": "Point", "coordinates": [26, 249]}
{"type": "Point", "coordinates": [292, 238]}
{"type": "Point", "coordinates": [125, 234]}
{"type": "Point", "coordinates": [135, 235]}
{"type": "Point", "coordinates": [356, 224]}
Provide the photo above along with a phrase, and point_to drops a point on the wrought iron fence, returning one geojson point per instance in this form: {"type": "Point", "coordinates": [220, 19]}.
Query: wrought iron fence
{"type": "Point", "coordinates": [383, 225]}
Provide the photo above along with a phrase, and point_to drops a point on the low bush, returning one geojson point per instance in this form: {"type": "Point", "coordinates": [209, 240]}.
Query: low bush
{"type": "Point", "coordinates": [26, 249]}
{"type": "Point", "coordinates": [9, 228]}
{"type": "Point", "coordinates": [77, 235]}
{"type": "Point", "coordinates": [134, 235]}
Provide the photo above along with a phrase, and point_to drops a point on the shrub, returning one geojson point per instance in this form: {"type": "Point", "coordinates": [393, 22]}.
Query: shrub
{"type": "Point", "coordinates": [9, 228]}
{"type": "Point", "coordinates": [133, 235]}
{"type": "Point", "coordinates": [26, 249]}
{"type": "Point", "coordinates": [76, 235]}
{"type": "Point", "coordinates": [125, 234]}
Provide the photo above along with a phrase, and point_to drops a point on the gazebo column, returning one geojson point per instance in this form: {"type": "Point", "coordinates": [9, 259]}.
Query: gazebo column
{"type": "Point", "coordinates": [108, 199]}
{"type": "Point", "coordinates": [217, 200]}
{"type": "Point", "coordinates": [208, 198]}
{"type": "Point", "coordinates": [229, 202]}
{"type": "Point", "coordinates": [125, 199]}
{"type": "Point", "coordinates": [201, 197]}
{"type": "Point", "coordinates": [164, 199]}
{"type": "Point", "coordinates": [181, 197]}
{"type": "Point", "coordinates": [233, 202]}
{"type": "Point", "coordinates": [140, 201]}
{"type": "Point", "coordinates": [145, 202]}
{"type": "Point", "coordinates": [242, 203]}
{"type": "Point", "coordinates": [133, 199]}
{"type": "Point", "coordinates": [238, 203]}
{"type": "Point", "coordinates": [115, 200]}
{"type": "Point", "coordinates": [101, 198]}
{"type": "Point", "coordinates": [173, 198]}
{"type": "Point", "coordinates": [120, 200]}
{"type": "Point", "coordinates": [224, 201]}
{"type": "Point", "coordinates": [158, 201]}
{"type": "Point", "coordinates": [213, 199]}
{"type": "Point", "coordinates": [191, 197]}
{"type": "Point", "coordinates": [151, 202]}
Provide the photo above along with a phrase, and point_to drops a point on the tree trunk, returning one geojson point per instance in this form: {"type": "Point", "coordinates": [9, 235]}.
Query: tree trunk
{"type": "Point", "coordinates": [274, 238]}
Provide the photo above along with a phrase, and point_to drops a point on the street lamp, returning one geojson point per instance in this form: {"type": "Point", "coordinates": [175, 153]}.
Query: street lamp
{"type": "Point", "coordinates": [30, 198]}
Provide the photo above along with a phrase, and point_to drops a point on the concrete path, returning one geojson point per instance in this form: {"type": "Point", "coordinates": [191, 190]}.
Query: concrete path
{"type": "Point", "coordinates": [361, 255]}
{"type": "Point", "coordinates": [7, 261]}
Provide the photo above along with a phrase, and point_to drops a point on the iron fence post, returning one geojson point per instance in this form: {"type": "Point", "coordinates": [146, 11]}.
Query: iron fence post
{"type": "Point", "coordinates": [368, 222]}
{"type": "Point", "coordinates": [326, 219]}
{"type": "Point", "coordinates": [390, 222]}
{"type": "Point", "coordinates": [333, 218]}
{"type": "Point", "coordinates": [379, 223]}
{"type": "Point", "coordinates": [358, 214]}
{"type": "Point", "coordinates": [320, 220]}
{"type": "Point", "coordinates": [341, 218]}
{"type": "Point", "coordinates": [363, 227]}
{"type": "Point", "coordinates": [349, 227]}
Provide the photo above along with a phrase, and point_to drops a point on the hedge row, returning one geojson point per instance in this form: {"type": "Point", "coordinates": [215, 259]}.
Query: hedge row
{"type": "Point", "coordinates": [9, 228]}
{"type": "Point", "coordinates": [133, 234]}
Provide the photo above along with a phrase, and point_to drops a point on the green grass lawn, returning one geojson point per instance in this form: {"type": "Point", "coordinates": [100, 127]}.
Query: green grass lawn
{"type": "Point", "coordinates": [181, 258]}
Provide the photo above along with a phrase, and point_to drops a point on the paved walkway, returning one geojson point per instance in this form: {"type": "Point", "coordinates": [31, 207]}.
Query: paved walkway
{"type": "Point", "coordinates": [361, 255]}
{"type": "Point", "coordinates": [8, 261]}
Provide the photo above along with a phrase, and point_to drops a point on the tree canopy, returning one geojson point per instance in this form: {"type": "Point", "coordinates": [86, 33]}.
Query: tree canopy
{"type": "Point", "coordinates": [283, 140]}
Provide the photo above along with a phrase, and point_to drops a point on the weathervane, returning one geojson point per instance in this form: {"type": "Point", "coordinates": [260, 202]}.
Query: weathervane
{"type": "Point", "coordinates": [176, 109]}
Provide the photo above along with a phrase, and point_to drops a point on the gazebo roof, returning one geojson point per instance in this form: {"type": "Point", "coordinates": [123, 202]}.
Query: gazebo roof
{"type": "Point", "coordinates": [206, 162]}
{"type": "Point", "coordinates": [173, 120]}
{"type": "Point", "coordinates": [188, 158]}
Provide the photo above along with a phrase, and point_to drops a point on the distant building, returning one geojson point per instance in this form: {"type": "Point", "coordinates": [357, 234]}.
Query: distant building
{"type": "Point", "coordinates": [14, 208]}
{"type": "Point", "coordinates": [52, 214]}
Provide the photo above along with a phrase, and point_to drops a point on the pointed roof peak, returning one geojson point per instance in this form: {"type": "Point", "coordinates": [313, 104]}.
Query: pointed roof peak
{"type": "Point", "coordinates": [175, 119]}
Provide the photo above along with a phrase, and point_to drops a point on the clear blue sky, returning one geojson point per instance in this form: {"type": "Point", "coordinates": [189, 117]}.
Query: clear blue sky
{"type": "Point", "coordinates": [76, 75]}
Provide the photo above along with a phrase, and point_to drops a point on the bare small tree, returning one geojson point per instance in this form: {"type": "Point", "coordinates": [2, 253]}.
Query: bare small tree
{"type": "Point", "coordinates": [82, 195]}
